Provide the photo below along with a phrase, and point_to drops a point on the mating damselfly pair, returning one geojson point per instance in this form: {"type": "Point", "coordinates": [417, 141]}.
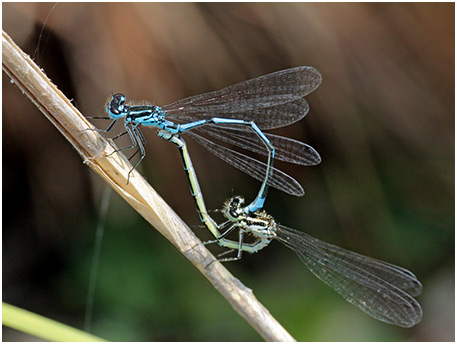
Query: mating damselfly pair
{"type": "Point", "coordinates": [237, 115]}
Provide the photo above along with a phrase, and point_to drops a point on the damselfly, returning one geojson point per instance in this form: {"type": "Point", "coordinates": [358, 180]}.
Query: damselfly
{"type": "Point", "coordinates": [382, 290]}
{"type": "Point", "coordinates": [235, 115]}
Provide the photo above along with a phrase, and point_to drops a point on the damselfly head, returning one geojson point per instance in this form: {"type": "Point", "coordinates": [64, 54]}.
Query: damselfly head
{"type": "Point", "coordinates": [233, 208]}
{"type": "Point", "coordinates": [116, 106]}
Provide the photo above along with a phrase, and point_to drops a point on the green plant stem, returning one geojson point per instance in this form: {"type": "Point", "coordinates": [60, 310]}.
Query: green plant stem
{"type": "Point", "coordinates": [42, 327]}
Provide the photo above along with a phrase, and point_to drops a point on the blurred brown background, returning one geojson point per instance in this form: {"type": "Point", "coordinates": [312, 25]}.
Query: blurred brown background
{"type": "Point", "coordinates": [383, 122]}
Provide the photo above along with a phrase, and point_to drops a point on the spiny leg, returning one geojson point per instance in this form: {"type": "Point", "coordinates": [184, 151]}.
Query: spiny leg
{"type": "Point", "coordinates": [220, 241]}
{"type": "Point", "coordinates": [240, 249]}
{"type": "Point", "coordinates": [139, 134]}
{"type": "Point", "coordinates": [119, 135]}
{"type": "Point", "coordinates": [139, 139]}
{"type": "Point", "coordinates": [102, 130]}
{"type": "Point", "coordinates": [223, 235]}
{"type": "Point", "coordinates": [132, 139]}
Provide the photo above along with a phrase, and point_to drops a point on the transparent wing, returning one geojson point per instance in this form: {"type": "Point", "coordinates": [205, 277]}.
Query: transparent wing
{"type": "Point", "coordinates": [251, 166]}
{"type": "Point", "coordinates": [286, 149]}
{"type": "Point", "coordinates": [266, 118]}
{"type": "Point", "coordinates": [272, 100]}
{"type": "Point", "coordinates": [395, 275]}
{"type": "Point", "coordinates": [380, 289]}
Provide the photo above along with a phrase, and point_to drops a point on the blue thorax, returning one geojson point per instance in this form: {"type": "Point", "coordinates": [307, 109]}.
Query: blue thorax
{"type": "Point", "coordinates": [147, 115]}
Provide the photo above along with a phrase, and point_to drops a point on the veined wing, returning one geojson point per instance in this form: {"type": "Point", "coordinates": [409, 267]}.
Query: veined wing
{"type": "Point", "coordinates": [286, 149]}
{"type": "Point", "coordinates": [378, 289]}
{"type": "Point", "coordinates": [395, 275]}
{"type": "Point", "coordinates": [245, 99]}
{"type": "Point", "coordinates": [266, 118]}
{"type": "Point", "coordinates": [251, 166]}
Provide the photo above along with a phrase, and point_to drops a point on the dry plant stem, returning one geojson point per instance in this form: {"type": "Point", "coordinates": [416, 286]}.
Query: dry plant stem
{"type": "Point", "coordinates": [96, 150]}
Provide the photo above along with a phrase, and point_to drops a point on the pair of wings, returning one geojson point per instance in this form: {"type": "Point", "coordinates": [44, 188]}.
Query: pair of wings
{"type": "Point", "coordinates": [271, 101]}
{"type": "Point", "coordinates": [382, 290]}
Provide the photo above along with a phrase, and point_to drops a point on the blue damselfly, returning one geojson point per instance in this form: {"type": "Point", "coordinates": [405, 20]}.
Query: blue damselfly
{"type": "Point", "coordinates": [235, 115]}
